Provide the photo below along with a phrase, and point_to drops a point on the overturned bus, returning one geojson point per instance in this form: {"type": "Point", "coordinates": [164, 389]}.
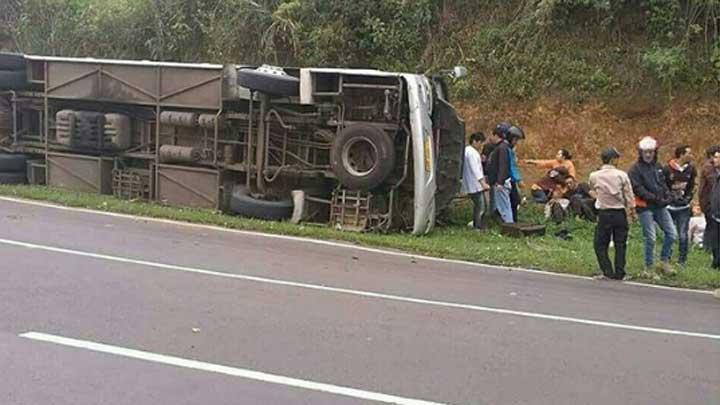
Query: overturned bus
{"type": "Point", "coordinates": [357, 149]}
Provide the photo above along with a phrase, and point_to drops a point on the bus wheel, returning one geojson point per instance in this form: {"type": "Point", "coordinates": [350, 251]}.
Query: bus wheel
{"type": "Point", "coordinates": [362, 157]}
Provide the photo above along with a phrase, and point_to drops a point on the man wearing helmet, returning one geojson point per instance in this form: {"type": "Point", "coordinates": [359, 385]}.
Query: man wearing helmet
{"type": "Point", "coordinates": [502, 172]}
{"type": "Point", "coordinates": [652, 198]}
{"type": "Point", "coordinates": [498, 134]}
{"type": "Point", "coordinates": [515, 134]}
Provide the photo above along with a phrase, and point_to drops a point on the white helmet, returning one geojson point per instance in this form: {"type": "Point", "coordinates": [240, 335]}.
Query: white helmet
{"type": "Point", "coordinates": [648, 143]}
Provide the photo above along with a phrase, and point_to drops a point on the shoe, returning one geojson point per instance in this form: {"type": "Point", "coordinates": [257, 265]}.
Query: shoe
{"type": "Point", "coordinates": [666, 268]}
{"type": "Point", "coordinates": [649, 275]}
{"type": "Point", "coordinates": [627, 277]}
{"type": "Point", "coordinates": [600, 277]}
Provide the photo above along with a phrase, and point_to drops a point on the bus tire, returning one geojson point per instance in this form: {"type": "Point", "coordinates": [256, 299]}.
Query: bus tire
{"type": "Point", "coordinates": [268, 83]}
{"type": "Point", "coordinates": [13, 79]}
{"type": "Point", "coordinates": [362, 157]}
{"type": "Point", "coordinates": [12, 163]}
{"type": "Point", "coordinates": [245, 205]}
{"type": "Point", "coordinates": [12, 61]}
{"type": "Point", "coordinates": [13, 178]}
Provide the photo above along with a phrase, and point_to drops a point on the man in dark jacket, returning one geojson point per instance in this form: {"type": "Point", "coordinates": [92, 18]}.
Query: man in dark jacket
{"type": "Point", "coordinates": [707, 180]}
{"type": "Point", "coordinates": [680, 174]}
{"type": "Point", "coordinates": [498, 134]}
{"type": "Point", "coordinates": [500, 180]}
{"type": "Point", "coordinates": [497, 137]}
{"type": "Point", "coordinates": [652, 198]}
{"type": "Point", "coordinates": [711, 194]}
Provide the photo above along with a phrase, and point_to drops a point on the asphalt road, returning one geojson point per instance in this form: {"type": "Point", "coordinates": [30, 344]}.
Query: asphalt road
{"type": "Point", "coordinates": [128, 311]}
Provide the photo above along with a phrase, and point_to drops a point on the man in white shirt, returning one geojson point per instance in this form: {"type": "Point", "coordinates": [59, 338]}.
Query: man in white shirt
{"type": "Point", "coordinates": [474, 183]}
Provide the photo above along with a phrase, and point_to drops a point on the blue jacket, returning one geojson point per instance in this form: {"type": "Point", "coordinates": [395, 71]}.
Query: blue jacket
{"type": "Point", "coordinates": [515, 175]}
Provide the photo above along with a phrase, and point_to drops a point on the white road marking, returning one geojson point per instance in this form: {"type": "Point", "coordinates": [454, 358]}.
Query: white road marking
{"type": "Point", "coordinates": [227, 370]}
{"type": "Point", "coordinates": [361, 293]}
{"type": "Point", "coordinates": [333, 244]}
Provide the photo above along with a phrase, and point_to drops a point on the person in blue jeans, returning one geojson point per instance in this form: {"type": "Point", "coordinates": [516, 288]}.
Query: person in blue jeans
{"type": "Point", "coordinates": [680, 174]}
{"type": "Point", "coordinates": [652, 197]}
{"type": "Point", "coordinates": [515, 134]}
{"type": "Point", "coordinates": [500, 172]}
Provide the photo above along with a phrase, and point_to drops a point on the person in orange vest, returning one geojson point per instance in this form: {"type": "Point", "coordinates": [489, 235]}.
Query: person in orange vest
{"type": "Point", "coordinates": [652, 197]}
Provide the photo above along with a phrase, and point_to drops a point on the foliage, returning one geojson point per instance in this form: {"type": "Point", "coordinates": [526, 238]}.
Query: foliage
{"type": "Point", "coordinates": [715, 60]}
{"type": "Point", "coordinates": [663, 19]}
{"type": "Point", "coordinates": [515, 48]}
{"type": "Point", "coordinates": [666, 63]}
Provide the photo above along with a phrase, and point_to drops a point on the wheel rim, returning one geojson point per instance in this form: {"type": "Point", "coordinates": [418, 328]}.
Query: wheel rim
{"type": "Point", "coordinates": [360, 157]}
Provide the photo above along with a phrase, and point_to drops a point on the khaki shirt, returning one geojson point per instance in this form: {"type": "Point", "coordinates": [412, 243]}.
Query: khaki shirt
{"type": "Point", "coordinates": [613, 189]}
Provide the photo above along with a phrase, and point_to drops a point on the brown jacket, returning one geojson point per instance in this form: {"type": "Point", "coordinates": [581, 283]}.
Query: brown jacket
{"type": "Point", "coordinates": [708, 175]}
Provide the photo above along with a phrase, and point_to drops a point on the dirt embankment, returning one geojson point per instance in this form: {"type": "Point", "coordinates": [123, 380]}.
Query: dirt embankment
{"type": "Point", "coordinates": [586, 129]}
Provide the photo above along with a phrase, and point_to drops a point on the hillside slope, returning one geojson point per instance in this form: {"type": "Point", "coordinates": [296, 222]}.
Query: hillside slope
{"type": "Point", "coordinates": [588, 128]}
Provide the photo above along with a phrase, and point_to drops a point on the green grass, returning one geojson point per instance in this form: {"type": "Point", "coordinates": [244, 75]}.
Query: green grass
{"type": "Point", "coordinates": [454, 241]}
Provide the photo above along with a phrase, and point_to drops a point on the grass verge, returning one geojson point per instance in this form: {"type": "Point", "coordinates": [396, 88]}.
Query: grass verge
{"type": "Point", "coordinates": [453, 241]}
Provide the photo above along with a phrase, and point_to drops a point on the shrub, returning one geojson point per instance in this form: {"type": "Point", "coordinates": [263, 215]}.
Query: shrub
{"type": "Point", "coordinates": [667, 64]}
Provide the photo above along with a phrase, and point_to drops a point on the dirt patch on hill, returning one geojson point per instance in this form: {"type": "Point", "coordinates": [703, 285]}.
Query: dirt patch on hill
{"type": "Point", "coordinates": [588, 128]}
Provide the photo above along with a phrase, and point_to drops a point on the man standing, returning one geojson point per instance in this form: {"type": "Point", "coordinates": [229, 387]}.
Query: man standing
{"type": "Point", "coordinates": [707, 180]}
{"type": "Point", "coordinates": [515, 134]}
{"type": "Point", "coordinates": [680, 174]}
{"type": "Point", "coordinates": [652, 198]}
{"type": "Point", "coordinates": [615, 201]}
{"type": "Point", "coordinates": [499, 174]}
{"type": "Point", "coordinates": [498, 135]}
{"type": "Point", "coordinates": [712, 195]}
{"type": "Point", "coordinates": [473, 182]}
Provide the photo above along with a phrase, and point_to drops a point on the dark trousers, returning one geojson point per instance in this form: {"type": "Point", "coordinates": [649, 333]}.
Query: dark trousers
{"type": "Point", "coordinates": [583, 207]}
{"type": "Point", "coordinates": [539, 196]}
{"type": "Point", "coordinates": [712, 241]}
{"type": "Point", "coordinates": [681, 218]}
{"type": "Point", "coordinates": [611, 225]}
{"type": "Point", "coordinates": [479, 205]}
{"type": "Point", "coordinates": [706, 234]}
